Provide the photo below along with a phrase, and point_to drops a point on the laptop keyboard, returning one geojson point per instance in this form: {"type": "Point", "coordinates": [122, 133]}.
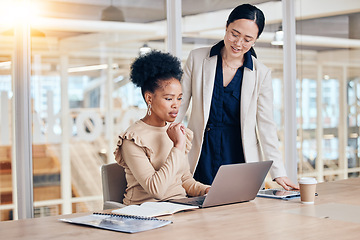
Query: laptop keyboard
{"type": "Point", "coordinates": [196, 200]}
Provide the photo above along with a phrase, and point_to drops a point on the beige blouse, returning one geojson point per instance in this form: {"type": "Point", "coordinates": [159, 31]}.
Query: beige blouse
{"type": "Point", "coordinates": [155, 170]}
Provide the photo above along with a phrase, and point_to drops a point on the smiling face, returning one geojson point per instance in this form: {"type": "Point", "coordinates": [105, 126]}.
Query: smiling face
{"type": "Point", "coordinates": [165, 102]}
{"type": "Point", "coordinates": [240, 36]}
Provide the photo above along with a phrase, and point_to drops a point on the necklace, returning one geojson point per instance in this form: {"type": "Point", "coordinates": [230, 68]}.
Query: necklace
{"type": "Point", "coordinates": [228, 66]}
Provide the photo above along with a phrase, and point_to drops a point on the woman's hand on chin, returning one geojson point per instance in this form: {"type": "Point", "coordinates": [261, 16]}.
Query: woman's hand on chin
{"type": "Point", "coordinates": [176, 133]}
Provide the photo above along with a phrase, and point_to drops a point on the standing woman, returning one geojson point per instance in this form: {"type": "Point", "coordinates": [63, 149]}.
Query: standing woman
{"type": "Point", "coordinates": [153, 150]}
{"type": "Point", "coordinates": [232, 101]}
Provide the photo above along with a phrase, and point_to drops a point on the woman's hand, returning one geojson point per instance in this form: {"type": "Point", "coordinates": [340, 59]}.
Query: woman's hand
{"type": "Point", "coordinates": [286, 183]}
{"type": "Point", "coordinates": [176, 132]}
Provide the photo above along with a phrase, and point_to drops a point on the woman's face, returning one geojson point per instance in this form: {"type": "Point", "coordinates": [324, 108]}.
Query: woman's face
{"type": "Point", "coordinates": [239, 37]}
{"type": "Point", "coordinates": [165, 102]}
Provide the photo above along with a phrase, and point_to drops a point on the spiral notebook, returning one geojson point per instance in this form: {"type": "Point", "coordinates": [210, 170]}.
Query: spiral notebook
{"type": "Point", "coordinates": [120, 223]}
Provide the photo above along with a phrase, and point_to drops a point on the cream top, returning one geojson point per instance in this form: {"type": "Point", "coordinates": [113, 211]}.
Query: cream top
{"type": "Point", "coordinates": [155, 170]}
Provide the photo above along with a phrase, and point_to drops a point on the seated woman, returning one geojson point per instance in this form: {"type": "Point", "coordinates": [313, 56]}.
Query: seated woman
{"type": "Point", "coordinates": [153, 151]}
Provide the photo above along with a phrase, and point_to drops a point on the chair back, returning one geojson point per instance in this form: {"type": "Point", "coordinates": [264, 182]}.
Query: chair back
{"type": "Point", "coordinates": [113, 182]}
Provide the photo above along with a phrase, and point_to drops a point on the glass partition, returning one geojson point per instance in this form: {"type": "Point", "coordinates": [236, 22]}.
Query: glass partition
{"type": "Point", "coordinates": [327, 57]}
{"type": "Point", "coordinates": [6, 144]}
{"type": "Point", "coordinates": [353, 99]}
{"type": "Point", "coordinates": [81, 98]}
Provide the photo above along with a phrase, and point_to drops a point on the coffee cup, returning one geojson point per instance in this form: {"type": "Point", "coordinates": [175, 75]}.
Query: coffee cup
{"type": "Point", "coordinates": [307, 190]}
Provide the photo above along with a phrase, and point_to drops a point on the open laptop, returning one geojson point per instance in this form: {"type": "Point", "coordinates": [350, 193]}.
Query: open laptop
{"type": "Point", "coordinates": [233, 183]}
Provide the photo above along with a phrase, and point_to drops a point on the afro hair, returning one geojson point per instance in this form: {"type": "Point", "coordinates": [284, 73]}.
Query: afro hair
{"type": "Point", "coordinates": [148, 70]}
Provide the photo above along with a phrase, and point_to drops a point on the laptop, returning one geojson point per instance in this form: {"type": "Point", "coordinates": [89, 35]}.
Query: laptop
{"type": "Point", "coordinates": [233, 183]}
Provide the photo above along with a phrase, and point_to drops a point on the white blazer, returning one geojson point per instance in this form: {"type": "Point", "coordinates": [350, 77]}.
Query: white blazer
{"type": "Point", "coordinates": [258, 129]}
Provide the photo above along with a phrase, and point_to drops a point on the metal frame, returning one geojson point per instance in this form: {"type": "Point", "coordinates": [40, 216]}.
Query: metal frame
{"type": "Point", "coordinates": [22, 116]}
{"type": "Point", "coordinates": [290, 88]}
{"type": "Point", "coordinates": [174, 34]}
{"type": "Point", "coordinates": [65, 138]}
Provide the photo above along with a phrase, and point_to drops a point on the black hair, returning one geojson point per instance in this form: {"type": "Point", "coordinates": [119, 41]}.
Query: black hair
{"type": "Point", "coordinates": [250, 12]}
{"type": "Point", "coordinates": [147, 71]}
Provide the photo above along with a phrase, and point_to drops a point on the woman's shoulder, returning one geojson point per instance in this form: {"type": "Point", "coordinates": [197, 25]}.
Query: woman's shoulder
{"type": "Point", "coordinates": [135, 133]}
{"type": "Point", "coordinates": [135, 127]}
{"type": "Point", "coordinates": [201, 52]}
{"type": "Point", "coordinates": [189, 137]}
{"type": "Point", "coordinates": [258, 65]}
{"type": "Point", "coordinates": [138, 132]}
{"type": "Point", "coordinates": [189, 133]}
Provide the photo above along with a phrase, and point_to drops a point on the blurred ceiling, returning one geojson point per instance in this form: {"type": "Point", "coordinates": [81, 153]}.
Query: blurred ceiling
{"type": "Point", "coordinates": [314, 18]}
{"type": "Point", "coordinates": [137, 11]}
{"type": "Point", "coordinates": [75, 27]}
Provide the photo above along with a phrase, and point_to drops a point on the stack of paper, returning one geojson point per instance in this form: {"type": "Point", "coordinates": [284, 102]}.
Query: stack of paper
{"type": "Point", "coordinates": [153, 209]}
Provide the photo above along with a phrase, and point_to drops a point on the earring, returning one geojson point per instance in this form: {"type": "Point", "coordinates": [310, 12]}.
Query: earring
{"type": "Point", "coordinates": [149, 109]}
{"type": "Point", "coordinates": [253, 44]}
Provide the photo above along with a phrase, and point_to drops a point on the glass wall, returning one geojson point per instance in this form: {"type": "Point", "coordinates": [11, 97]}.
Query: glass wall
{"type": "Point", "coordinates": [91, 68]}
{"type": "Point", "coordinates": [81, 97]}
{"type": "Point", "coordinates": [352, 149]}
{"type": "Point", "coordinates": [6, 94]}
{"type": "Point", "coordinates": [327, 59]}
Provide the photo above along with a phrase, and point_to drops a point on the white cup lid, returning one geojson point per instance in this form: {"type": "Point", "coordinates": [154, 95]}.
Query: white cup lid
{"type": "Point", "coordinates": [307, 180]}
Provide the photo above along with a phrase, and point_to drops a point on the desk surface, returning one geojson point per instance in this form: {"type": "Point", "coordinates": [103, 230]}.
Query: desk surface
{"type": "Point", "coordinates": [261, 218]}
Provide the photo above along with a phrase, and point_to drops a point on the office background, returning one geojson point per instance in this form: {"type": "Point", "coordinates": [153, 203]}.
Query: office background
{"type": "Point", "coordinates": [75, 97]}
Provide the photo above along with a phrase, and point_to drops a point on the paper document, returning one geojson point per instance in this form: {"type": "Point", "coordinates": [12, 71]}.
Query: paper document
{"type": "Point", "coordinates": [153, 209]}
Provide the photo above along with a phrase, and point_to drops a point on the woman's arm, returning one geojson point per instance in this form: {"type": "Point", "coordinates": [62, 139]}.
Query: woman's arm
{"type": "Point", "coordinates": [268, 133]}
{"type": "Point", "coordinates": [192, 187]}
{"type": "Point", "coordinates": [156, 183]}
